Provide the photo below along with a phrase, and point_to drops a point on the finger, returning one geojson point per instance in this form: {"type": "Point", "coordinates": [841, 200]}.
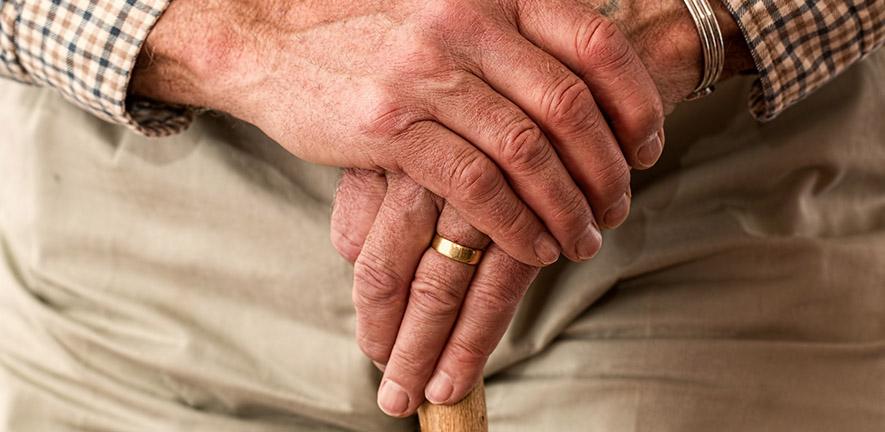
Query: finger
{"type": "Point", "coordinates": [434, 300]}
{"type": "Point", "coordinates": [494, 294]}
{"type": "Point", "coordinates": [513, 140]}
{"type": "Point", "coordinates": [562, 104]}
{"type": "Point", "coordinates": [454, 169]}
{"type": "Point", "coordinates": [401, 233]}
{"type": "Point", "coordinates": [599, 52]}
{"type": "Point", "coordinates": [357, 200]}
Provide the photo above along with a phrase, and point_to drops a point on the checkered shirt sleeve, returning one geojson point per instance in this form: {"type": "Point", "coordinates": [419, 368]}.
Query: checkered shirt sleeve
{"type": "Point", "coordinates": [86, 49]}
{"type": "Point", "coordinates": [799, 45]}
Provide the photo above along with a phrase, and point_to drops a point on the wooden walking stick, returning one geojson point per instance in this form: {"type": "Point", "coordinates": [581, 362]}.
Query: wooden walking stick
{"type": "Point", "coordinates": [469, 415]}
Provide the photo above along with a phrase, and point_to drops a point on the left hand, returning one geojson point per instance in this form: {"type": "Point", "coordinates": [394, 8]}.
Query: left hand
{"type": "Point", "coordinates": [438, 329]}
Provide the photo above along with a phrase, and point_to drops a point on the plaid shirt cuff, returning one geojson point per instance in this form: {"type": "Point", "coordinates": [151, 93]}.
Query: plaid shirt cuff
{"type": "Point", "coordinates": [86, 49]}
{"type": "Point", "coordinates": [799, 45]}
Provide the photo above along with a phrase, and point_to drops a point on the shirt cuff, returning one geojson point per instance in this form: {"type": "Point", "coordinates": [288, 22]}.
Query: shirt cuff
{"type": "Point", "coordinates": [87, 50]}
{"type": "Point", "coordinates": [798, 46]}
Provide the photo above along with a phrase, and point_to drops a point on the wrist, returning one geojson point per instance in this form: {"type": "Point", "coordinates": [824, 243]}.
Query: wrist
{"type": "Point", "coordinates": [190, 56]}
{"type": "Point", "coordinates": [667, 39]}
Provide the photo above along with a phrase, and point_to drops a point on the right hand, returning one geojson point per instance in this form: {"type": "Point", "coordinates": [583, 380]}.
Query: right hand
{"type": "Point", "coordinates": [488, 104]}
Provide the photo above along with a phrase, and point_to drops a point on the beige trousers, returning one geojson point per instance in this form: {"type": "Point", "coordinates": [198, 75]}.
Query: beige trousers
{"type": "Point", "coordinates": [188, 284]}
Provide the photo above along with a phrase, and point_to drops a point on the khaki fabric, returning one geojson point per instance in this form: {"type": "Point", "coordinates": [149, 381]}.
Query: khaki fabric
{"type": "Point", "coordinates": [188, 283]}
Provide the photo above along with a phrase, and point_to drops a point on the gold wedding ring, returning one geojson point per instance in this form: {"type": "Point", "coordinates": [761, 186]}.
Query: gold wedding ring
{"type": "Point", "coordinates": [454, 251]}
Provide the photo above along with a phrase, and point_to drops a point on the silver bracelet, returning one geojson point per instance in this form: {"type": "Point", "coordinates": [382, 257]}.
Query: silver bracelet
{"type": "Point", "coordinates": [712, 45]}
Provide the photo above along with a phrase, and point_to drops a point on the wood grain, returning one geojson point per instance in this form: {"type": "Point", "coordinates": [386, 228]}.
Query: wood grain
{"type": "Point", "coordinates": [469, 415]}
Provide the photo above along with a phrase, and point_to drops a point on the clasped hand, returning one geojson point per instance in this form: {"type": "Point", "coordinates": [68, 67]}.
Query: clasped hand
{"type": "Point", "coordinates": [504, 125]}
{"type": "Point", "coordinates": [562, 111]}
{"type": "Point", "coordinates": [524, 115]}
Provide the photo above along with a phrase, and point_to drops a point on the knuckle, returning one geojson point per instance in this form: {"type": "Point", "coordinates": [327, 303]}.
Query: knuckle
{"type": "Point", "coordinates": [516, 226]}
{"type": "Point", "coordinates": [453, 87]}
{"type": "Point", "coordinates": [375, 284]}
{"type": "Point", "coordinates": [477, 178]}
{"type": "Point", "coordinates": [614, 177]}
{"type": "Point", "coordinates": [434, 298]}
{"type": "Point", "coordinates": [497, 297]}
{"type": "Point", "coordinates": [388, 115]}
{"type": "Point", "coordinates": [594, 121]}
{"type": "Point", "coordinates": [346, 247]}
{"type": "Point", "coordinates": [571, 207]}
{"type": "Point", "coordinates": [468, 352]}
{"type": "Point", "coordinates": [648, 118]}
{"type": "Point", "coordinates": [524, 147]}
{"type": "Point", "coordinates": [409, 199]}
{"type": "Point", "coordinates": [410, 362]}
{"type": "Point", "coordinates": [600, 41]}
{"type": "Point", "coordinates": [642, 117]}
{"type": "Point", "coordinates": [372, 347]}
{"type": "Point", "coordinates": [360, 178]}
{"type": "Point", "coordinates": [517, 222]}
{"type": "Point", "coordinates": [430, 64]}
{"type": "Point", "coordinates": [657, 112]}
{"type": "Point", "coordinates": [357, 184]}
{"type": "Point", "coordinates": [569, 103]}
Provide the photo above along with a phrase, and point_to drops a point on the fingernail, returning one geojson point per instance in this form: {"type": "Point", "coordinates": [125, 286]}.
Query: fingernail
{"type": "Point", "coordinates": [392, 399]}
{"type": "Point", "coordinates": [618, 212]}
{"type": "Point", "coordinates": [547, 249]}
{"type": "Point", "coordinates": [649, 152]}
{"type": "Point", "coordinates": [589, 243]}
{"type": "Point", "coordinates": [440, 388]}
{"type": "Point", "coordinates": [380, 366]}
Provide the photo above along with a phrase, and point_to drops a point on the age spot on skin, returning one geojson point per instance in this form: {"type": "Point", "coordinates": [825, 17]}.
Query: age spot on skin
{"type": "Point", "coordinates": [610, 8]}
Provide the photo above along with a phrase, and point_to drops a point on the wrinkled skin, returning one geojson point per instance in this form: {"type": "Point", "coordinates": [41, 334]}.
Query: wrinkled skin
{"type": "Point", "coordinates": [434, 322]}
{"type": "Point", "coordinates": [496, 106]}
{"type": "Point", "coordinates": [510, 121]}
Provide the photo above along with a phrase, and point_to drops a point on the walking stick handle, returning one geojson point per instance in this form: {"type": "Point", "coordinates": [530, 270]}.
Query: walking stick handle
{"type": "Point", "coordinates": [469, 415]}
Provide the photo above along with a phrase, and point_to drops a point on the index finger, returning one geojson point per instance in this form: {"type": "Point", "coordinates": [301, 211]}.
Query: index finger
{"type": "Point", "coordinates": [382, 272]}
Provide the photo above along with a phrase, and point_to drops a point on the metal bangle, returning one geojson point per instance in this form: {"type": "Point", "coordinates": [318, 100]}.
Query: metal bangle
{"type": "Point", "coordinates": [712, 45]}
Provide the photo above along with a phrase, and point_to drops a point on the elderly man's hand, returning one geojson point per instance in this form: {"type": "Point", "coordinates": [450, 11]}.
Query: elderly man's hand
{"type": "Point", "coordinates": [432, 331]}
{"type": "Point", "coordinates": [494, 105]}
{"type": "Point", "coordinates": [429, 321]}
